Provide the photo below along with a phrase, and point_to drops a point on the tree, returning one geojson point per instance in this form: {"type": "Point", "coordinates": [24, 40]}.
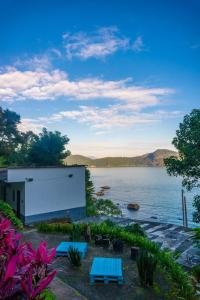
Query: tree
{"type": "Point", "coordinates": [107, 207]}
{"type": "Point", "coordinates": [89, 190]}
{"type": "Point", "coordinates": [48, 149]}
{"type": "Point", "coordinates": [9, 135]}
{"type": "Point", "coordinates": [187, 164]}
{"type": "Point", "coordinates": [96, 207]}
{"type": "Point", "coordinates": [21, 155]}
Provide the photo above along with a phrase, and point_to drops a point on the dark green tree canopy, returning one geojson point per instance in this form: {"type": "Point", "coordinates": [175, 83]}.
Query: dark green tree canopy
{"type": "Point", "coordinates": [187, 142]}
{"type": "Point", "coordinates": [9, 133]}
{"type": "Point", "coordinates": [187, 164]}
{"type": "Point", "coordinates": [28, 148]}
{"type": "Point", "coordinates": [48, 149]}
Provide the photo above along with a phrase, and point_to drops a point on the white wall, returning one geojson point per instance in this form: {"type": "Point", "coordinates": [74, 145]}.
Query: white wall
{"type": "Point", "coordinates": [51, 189]}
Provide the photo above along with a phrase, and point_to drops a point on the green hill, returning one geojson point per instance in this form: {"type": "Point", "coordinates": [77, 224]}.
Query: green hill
{"type": "Point", "coordinates": [154, 159]}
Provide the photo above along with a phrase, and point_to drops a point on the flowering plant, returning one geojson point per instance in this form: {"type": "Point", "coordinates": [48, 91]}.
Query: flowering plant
{"type": "Point", "coordinates": [24, 271]}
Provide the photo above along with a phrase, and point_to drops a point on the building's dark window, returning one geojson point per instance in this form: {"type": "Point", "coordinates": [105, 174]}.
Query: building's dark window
{"type": "Point", "coordinates": [13, 195]}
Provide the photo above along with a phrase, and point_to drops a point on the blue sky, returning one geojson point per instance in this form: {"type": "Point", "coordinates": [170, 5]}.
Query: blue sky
{"type": "Point", "coordinates": [116, 76]}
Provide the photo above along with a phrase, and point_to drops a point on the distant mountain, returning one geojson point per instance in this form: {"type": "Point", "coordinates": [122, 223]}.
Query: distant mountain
{"type": "Point", "coordinates": [154, 159]}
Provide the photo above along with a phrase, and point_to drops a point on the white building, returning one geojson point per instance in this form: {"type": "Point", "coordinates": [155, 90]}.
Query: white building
{"type": "Point", "coordinates": [38, 194]}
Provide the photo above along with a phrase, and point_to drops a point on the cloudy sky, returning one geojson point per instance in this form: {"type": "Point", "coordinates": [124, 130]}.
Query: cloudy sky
{"type": "Point", "coordinates": [116, 76]}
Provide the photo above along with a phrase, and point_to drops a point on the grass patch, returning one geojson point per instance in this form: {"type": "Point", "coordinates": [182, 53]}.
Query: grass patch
{"type": "Point", "coordinates": [179, 280]}
{"type": "Point", "coordinates": [9, 213]}
{"type": "Point", "coordinates": [47, 295]}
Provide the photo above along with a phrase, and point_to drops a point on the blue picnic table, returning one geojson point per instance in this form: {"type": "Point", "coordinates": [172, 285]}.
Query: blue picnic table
{"type": "Point", "coordinates": [106, 270]}
{"type": "Point", "coordinates": [63, 248]}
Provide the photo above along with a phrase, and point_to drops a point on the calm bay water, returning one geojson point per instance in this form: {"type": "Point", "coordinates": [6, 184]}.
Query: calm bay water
{"type": "Point", "coordinates": [157, 193]}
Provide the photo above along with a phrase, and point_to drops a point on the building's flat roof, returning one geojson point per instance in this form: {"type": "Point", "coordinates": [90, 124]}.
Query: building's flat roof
{"type": "Point", "coordinates": [40, 167]}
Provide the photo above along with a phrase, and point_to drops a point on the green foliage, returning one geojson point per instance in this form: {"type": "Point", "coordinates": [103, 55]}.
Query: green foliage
{"type": "Point", "coordinates": [8, 212]}
{"type": "Point", "coordinates": [48, 149]}
{"type": "Point", "coordinates": [187, 143]}
{"type": "Point", "coordinates": [19, 148]}
{"type": "Point", "coordinates": [146, 263]}
{"type": "Point", "coordinates": [74, 256]}
{"type": "Point", "coordinates": [196, 236]}
{"type": "Point", "coordinates": [2, 161]}
{"type": "Point", "coordinates": [107, 207]}
{"type": "Point", "coordinates": [55, 228]}
{"type": "Point", "coordinates": [109, 223]}
{"type": "Point", "coordinates": [136, 229]}
{"type": "Point", "coordinates": [90, 200]}
{"type": "Point", "coordinates": [196, 272]}
{"type": "Point", "coordinates": [21, 155]}
{"type": "Point", "coordinates": [179, 280]}
{"type": "Point", "coordinates": [9, 134]}
{"type": "Point", "coordinates": [47, 295]}
{"type": "Point", "coordinates": [196, 205]}
{"type": "Point", "coordinates": [76, 232]}
{"type": "Point", "coordinates": [65, 228]}
{"type": "Point", "coordinates": [96, 207]}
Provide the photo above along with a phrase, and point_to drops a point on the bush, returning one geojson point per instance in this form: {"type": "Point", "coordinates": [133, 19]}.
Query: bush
{"type": "Point", "coordinates": [24, 271]}
{"type": "Point", "coordinates": [8, 212]}
{"type": "Point", "coordinates": [74, 256]}
{"type": "Point", "coordinates": [196, 272]}
{"type": "Point", "coordinates": [146, 263]}
{"type": "Point", "coordinates": [76, 232]}
{"type": "Point", "coordinates": [136, 229]}
{"type": "Point", "coordinates": [107, 207]}
{"type": "Point", "coordinates": [89, 191]}
{"type": "Point", "coordinates": [55, 228]}
{"type": "Point", "coordinates": [109, 223]}
{"type": "Point", "coordinates": [196, 236]}
{"type": "Point", "coordinates": [47, 295]}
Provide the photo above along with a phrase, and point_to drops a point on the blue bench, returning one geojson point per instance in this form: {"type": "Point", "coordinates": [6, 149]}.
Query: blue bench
{"type": "Point", "coordinates": [63, 247]}
{"type": "Point", "coordinates": [106, 270]}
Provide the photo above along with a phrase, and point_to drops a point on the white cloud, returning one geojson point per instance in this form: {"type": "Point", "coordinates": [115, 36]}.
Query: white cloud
{"type": "Point", "coordinates": [49, 85]}
{"type": "Point", "coordinates": [37, 62]}
{"type": "Point", "coordinates": [111, 117]}
{"type": "Point", "coordinates": [138, 44]}
{"type": "Point", "coordinates": [30, 124]}
{"type": "Point", "coordinates": [125, 106]}
{"type": "Point", "coordinates": [99, 44]}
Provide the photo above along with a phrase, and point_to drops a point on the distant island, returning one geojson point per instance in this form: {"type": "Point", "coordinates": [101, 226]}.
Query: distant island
{"type": "Point", "coordinates": [154, 159]}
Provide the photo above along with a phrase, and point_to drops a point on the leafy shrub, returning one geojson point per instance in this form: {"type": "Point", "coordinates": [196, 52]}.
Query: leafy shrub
{"type": "Point", "coordinates": [90, 199]}
{"type": "Point", "coordinates": [8, 212]}
{"type": "Point", "coordinates": [75, 234]}
{"type": "Point", "coordinates": [146, 263]}
{"type": "Point", "coordinates": [196, 272]}
{"type": "Point", "coordinates": [196, 236]}
{"type": "Point", "coordinates": [24, 271]}
{"type": "Point", "coordinates": [74, 256]}
{"type": "Point", "coordinates": [136, 229]}
{"type": "Point", "coordinates": [107, 207]}
{"type": "Point", "coordinates": [55, 228]}
{"type": "Point", "coordinates": [47, 295]}
{"type": "Point", "coordinates": [109, 223]}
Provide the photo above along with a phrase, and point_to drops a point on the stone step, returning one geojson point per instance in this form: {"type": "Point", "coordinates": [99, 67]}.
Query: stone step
{"type": "Point", "coordinates": [154, 228]}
